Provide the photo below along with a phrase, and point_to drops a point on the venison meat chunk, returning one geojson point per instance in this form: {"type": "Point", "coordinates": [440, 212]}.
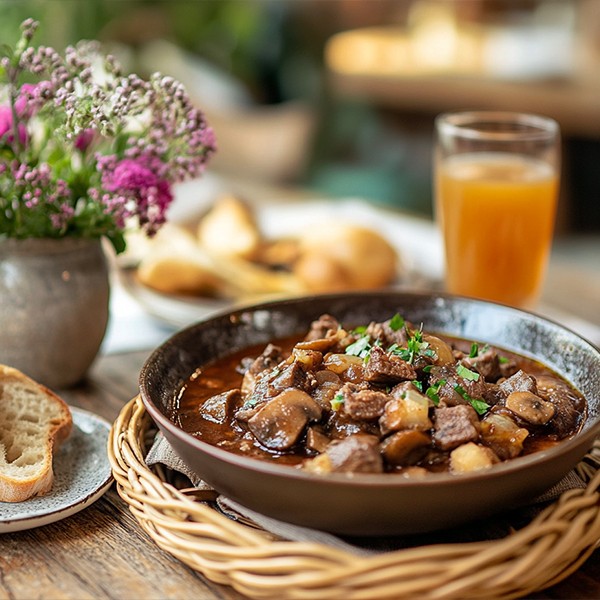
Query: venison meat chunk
{"type": "Point", "coordinates": [362, 403]}
{"type": "Point", "coordinates": [519, 382]}
{"type": "Point", "coordinates": [325, 326]}
{"type": "Point", "coordinates": [454, 426]}
{"type": "Point", "coordinates": [387, 368]}
{"type": "Point", "coordinates": [358, 453]}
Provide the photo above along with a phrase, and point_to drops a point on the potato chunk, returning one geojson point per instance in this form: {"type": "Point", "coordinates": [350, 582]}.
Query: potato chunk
{"type": "Point", "coordinates": [408, 412]}
{"type": "Point", "coordinates": [471, 457]}
{"type": "Point", "coordinates": [503, 435]}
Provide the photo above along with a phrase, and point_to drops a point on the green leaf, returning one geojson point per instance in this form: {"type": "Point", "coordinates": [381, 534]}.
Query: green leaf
{"type": "Point", "coordinates": [117, 239]}
{"type": "Point", "coordinates": [360, 347]}
{"type": "Point", "coordinates": [465, 373]}
{"type": "Point", "coordinates": [474, 350]}
{"type": "Point", "coordinates": [396, 322]}
{"type": "Point", "coordinates": [433, 391]}
{"type": "Point", "coordinates": [480, 406]}
{"type": "Point", "coordinates": [5, 50]}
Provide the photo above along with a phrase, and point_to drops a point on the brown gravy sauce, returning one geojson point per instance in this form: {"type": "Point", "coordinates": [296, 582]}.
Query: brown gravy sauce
{"type": "Point", "coordinates": [222, 375]}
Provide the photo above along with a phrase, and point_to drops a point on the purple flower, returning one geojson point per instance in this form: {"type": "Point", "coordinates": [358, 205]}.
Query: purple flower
{"type": "Point", "coordinates": [6, 126]}
{"type": "Point", "coordinates": [84, 139]}
{"type": "Point", "coordinates": [24, 104]}
{"type": "Point", "coordinates": [142, 180]}
{"type": "Point", "coordinates": [122, 176]}
{"type": "Point", "coordinates": [135, 173]}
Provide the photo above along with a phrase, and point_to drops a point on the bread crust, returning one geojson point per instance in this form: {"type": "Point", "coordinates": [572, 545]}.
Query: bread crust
{"type": "Point", "coordinates": [29, 411]}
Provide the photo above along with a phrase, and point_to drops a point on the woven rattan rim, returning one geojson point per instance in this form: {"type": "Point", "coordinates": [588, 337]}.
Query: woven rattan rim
{"type": "Point", "coordinates": [541, 554]}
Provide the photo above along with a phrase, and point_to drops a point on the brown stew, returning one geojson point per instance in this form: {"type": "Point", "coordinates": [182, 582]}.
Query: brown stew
{"type": "Point", "coordinates": [385, 397]}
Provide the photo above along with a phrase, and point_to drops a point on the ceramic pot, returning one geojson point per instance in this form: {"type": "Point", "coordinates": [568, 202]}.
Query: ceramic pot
{"type": "Point", "coordinates": [54, 297]}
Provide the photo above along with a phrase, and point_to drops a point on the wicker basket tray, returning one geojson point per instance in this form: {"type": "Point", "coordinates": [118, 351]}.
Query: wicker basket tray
{"type": "Point", "coordinates": [552, 546]}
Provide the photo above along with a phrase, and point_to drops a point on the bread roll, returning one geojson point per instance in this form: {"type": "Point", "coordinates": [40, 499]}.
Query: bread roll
{"type": "Point", "coordinates": [366, 259]}
{"type": "Point", "coordinates": [171, 274]}
{"type": "Point", "coordinates": [230, 229]}
{"type": "Point", "coordinates": [174, 264]}
{"type": "Point", "coordinates": [33, 422]}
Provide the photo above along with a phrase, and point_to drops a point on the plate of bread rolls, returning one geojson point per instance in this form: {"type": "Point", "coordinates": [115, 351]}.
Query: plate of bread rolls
{"type": "Point", "coordinates": [239, 253]}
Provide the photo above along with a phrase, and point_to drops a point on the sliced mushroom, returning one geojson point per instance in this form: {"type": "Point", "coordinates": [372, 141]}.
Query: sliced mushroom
{"type": "Point", "coordinates": [323, 344]}
{"type": "Point", "coordinates": [530, 408]}
{"type": "Point", "coordinates": [443, 352]}
{"type": "Point", "coordinates": [316, 440]}
{"type": "Point", "coordinates": [281, 421]}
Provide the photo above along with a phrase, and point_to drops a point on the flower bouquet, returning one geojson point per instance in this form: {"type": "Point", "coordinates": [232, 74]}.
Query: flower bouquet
{"type": "Point", "coordinates": [86, 151]}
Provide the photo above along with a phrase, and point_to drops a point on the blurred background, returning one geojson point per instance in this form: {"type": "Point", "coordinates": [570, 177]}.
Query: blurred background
{"type": "Point", "coordinates": [339, 96]}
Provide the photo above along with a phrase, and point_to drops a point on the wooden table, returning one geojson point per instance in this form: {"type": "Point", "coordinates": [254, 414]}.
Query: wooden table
{"type": "Point", "coordinates": [101, 552]}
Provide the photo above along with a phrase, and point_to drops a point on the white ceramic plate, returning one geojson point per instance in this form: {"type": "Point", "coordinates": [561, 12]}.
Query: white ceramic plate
{"type": "Point", "coordinates": [416, 240]}
{"type": "Point", "coordinates": [82, 474]}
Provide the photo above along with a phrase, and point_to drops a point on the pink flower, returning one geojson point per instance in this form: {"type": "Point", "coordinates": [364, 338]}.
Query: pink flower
{"type": "Point", "coordinates": [6, 126]}
{"type": "Point", "coordinates": [133, 173]}
{"type": "Point", "coordinates": [26, 105]}
{"type": "Point", "coordinates": [84, 139]}
{"type": "Point", "coordinates": [140, 179]}
{"type": "Point", "coordinates": [23, 104]}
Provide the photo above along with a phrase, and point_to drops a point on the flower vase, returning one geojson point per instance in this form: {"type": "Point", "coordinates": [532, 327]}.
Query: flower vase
{"type": "Point", "coordinates": [54, 297]}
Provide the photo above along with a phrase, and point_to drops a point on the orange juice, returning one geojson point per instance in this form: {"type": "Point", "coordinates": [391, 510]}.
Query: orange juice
{"type": "Point", "coordinates": [497, 215]}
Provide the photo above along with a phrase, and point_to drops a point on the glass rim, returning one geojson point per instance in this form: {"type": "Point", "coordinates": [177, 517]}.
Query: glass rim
{"type": "Point", "coordinates": [467, 125]}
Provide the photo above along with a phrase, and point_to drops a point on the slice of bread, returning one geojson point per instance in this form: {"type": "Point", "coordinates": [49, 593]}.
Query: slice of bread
{"type": "Point", "coordinates": [33, 422]}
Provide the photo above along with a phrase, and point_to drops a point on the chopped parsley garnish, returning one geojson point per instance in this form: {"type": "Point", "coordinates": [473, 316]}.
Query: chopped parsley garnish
{"type": "Point", "coordinates": [360, 330]}
{"type": "Point", "coordinates": [396, 322]}
{"type": "Point", "coordinates": [480, 406]}
{"type": "Point", "coordinates": [433, 391]}
{"type": "Point", "coordinates": [415, 346]}
{"type": "Point", "coordinates": [418, 384]}
{"type": "Point", "coordinates": [465, 373]}
{"type": "Point", "coordinates": [337, 401]}
{"type": "Point", "coordinates": [503, 360]}
{"type": "Point", "coordinates": [474, 350]}
{"type": "Point", "coordinates": [361, 347]}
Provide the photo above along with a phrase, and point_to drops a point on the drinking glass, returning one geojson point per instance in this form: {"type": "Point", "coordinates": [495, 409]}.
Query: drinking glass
{"type": "Point", "coordinates": [496, 179]}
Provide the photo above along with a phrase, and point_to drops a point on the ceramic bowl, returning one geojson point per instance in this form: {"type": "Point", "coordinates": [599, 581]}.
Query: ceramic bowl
{"type": "Point", "coordinates": [369, 504]}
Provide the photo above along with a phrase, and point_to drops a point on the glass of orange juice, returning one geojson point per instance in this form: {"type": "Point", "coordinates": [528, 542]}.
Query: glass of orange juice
{"type": "Point", "coordinates": [496, 179]}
